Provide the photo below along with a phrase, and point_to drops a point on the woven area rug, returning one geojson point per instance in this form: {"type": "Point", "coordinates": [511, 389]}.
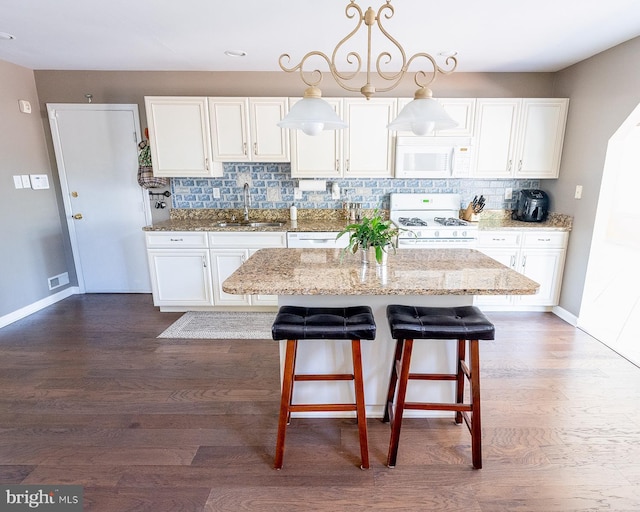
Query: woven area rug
{"type": "Point", "coordinates": [218, 325]}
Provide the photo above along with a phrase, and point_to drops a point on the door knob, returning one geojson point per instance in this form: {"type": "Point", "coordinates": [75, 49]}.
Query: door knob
{"type": "Point", "coordinates": [77, 216]}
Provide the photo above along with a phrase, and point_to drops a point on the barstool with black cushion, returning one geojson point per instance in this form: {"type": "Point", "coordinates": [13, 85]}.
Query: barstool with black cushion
{"type": "Point", "coordinates": [464, 323]}
{"type": "Point", "coordinates": [295, 323]}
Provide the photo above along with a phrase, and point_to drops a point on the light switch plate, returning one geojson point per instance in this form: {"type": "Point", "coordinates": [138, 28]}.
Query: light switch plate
{"type": "Point", "coordinates": [17, 182]}
{"type": "Point", "coordinates": [39, 181]}
{"type": "Point", "coordinates": [26, 182]}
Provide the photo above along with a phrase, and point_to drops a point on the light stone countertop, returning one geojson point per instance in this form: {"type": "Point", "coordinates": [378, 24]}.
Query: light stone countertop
{"type": "Point", "coordinates": [408, 272]}
{"type": "Point", "coordinates": [325, 220]}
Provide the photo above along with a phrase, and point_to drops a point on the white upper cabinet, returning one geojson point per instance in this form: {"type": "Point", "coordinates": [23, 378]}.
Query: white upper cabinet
{"type": "Point", "coordinates": [368, 144]}
{"type": "Point", "coordinates": [540, 139]}
{"type": "Point", "coordinates": [519, 138]}
{"type": "Point", "coordinates": [363, 150]}
{"type": "Point", "coordinates": [179, 136]}
{"type": "Point", "coordinates": [317, 156]}
{"type": "Point", "coordinates": [230, 130]}
{"type": "Point", "coordinates": [461, 110]}
{"type": "Point", "coordinates": [246, 130]}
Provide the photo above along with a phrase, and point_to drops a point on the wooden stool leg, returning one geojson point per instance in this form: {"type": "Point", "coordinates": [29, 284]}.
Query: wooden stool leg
{"type": "Point", "coordinates": [396, 424]}
{"type": "Point", "coordinates": [393, 381]}
{"type": "Point", "coordinates": [460, 377]}
{"type": "Point", "coordinates": [285, 400]}
{"type": "Point", "coordinates": [476, 424]}
{"type": "Point", "coordinates": [358, 384]}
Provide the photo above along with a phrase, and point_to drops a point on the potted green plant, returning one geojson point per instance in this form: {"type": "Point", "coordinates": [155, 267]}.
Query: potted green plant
{"type": "Point", "coordinates": [374, 237]}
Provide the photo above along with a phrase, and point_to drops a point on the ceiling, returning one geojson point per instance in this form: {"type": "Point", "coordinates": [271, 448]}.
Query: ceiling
{"type": "Point", "coordinates": [192, 35]}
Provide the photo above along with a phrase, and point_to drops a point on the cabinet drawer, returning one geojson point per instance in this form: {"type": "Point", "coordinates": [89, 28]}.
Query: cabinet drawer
{"type": "Point", "coordinates": [544, 239]}
{"type": "Point", "coordinates": [248, 239]}
{"type": "Point", "coordinates": [175, 239]}
{"type": "Point", "coordinates": [499, 238]}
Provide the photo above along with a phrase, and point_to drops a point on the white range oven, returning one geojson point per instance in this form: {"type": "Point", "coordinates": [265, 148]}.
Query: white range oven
{"type": "Point", "coordinates": [431, 221]}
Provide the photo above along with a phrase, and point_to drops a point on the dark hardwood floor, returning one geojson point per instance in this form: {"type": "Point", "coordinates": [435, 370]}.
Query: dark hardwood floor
{"type": "Point", "coordinates": [89, 396]}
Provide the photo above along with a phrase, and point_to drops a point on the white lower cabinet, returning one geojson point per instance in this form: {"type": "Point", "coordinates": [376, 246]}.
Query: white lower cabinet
{"type": "Point", "coordinates": [539, 255]}
{"type": "Point", "coordinates": [188, 268]}
{"type": "Point", "coordinates": [229, 251]}
{"type": "Point", "coordinates": [180, 269]}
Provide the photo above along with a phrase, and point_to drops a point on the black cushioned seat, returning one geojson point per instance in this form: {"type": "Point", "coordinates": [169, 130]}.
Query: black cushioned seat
{"type": "Point", "coordinates": [462, 323]}
{"type": "Point", "coordinates": [295, 323]}
{"type": "Point", "coordinates": [302, 323]}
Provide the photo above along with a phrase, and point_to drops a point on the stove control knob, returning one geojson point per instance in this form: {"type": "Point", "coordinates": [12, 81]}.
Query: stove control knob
{"type": "Point", "coordinates": [418, 234]}
{"type": "Point", "coordinates": [455, 233]}
{"type": "Point", "coordinates": [464, 234]}
{"type": "Point", "coordinates": [436, 234]}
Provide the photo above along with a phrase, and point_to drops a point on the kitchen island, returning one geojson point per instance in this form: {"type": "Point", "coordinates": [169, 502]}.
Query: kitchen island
{"type": "Point", "coordinates": [329, 277]}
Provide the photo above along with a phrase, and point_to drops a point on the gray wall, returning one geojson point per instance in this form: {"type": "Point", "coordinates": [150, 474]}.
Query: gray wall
{"type": "Point", "coordinates": [30, 227]}
{"type": "Point", "coordinates": [604, 90]}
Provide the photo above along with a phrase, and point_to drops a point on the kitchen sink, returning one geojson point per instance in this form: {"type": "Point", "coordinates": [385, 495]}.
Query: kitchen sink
{"type": "Point", "coordinates": [249, 224]}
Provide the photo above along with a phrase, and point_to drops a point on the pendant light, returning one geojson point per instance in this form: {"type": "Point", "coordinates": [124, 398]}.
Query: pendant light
{"type": "Point", "coordinates": [424, 114]}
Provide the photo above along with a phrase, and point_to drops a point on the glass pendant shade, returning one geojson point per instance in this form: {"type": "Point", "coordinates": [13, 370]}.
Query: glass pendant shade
{"type": "Point", "coordinates": [422, 116]}
{"type": "Point", "coordinates": [312, 115]}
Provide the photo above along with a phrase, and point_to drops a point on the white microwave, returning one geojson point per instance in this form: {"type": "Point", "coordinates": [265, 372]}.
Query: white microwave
{"type": "Point", "coordinates": [433, 157]}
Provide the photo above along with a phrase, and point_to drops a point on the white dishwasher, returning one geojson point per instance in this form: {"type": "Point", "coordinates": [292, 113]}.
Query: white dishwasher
{"type": "Point", "coordinates": [316, 240]}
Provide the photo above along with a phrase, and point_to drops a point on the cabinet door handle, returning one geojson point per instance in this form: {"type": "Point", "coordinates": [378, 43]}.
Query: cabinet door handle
{"type": "Point", "coordinates": [524, 261]}
{"type": "Point", "coordinates": [255, 148]}
{"type": "Point", "coordinates": [206, 163]}
{"type": "Point", "coordinates": [244, 148]}
{"type": "Point", "coordinates": [509, 166]}
{"type": "Point", "coordinates": [520, 166]}
{"type": "Point", "coordinates": [337, 164]}
{"type": "Point", "coordinates": [513, 261]}
{"type": "Point", "coordinates": [346, 165]}
{"type": "Point", "coordinates": [242, 258]}
{"type": "Point", "coordinates": [204, 262]}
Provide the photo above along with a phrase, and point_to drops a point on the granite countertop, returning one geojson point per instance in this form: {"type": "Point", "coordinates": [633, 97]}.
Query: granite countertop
{"type": "Point", "coordinates": [408, 272]}
{"type": "Point", "coordinates": [324, 220]}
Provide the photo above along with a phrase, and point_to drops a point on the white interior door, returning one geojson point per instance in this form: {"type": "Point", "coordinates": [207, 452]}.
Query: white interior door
{"type": "Point", "coordinates": [96, 148]}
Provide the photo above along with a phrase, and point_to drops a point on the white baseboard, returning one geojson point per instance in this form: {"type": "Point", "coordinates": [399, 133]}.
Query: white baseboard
{"type": "Point", "coordinates": [37, 306]}
{"type": "Point", "coordinates": [570, 318]}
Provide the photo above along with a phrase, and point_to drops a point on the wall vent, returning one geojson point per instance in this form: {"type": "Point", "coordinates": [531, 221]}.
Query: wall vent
{"type": "Point", "coordinates": [58, 281]}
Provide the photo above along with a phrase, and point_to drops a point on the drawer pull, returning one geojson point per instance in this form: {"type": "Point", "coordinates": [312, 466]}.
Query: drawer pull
{"type": "Point", "coordinates": [544, 239]}
{"type": "Point", "coordinates": [176, 239]}
{"type": "Point", "coordinates": [498, 239]}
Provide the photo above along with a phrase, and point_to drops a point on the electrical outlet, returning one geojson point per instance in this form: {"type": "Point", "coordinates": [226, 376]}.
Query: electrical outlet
{"type": "Point", "coordinates": [508, 193]}
{"type": "Point", "coordinates": [216, 193]}
{"type": "Point", "coordinates": [578, 194]}
{"type": "Point", "coordinates": [297, 193]}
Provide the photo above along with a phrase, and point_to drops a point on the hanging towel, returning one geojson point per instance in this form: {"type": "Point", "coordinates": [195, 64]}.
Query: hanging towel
{"type": "Point", "coordinates": [146, 179]}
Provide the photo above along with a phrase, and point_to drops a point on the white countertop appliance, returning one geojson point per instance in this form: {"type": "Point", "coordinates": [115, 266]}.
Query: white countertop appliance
{"type": "Point", "coordinates": [431, 221]}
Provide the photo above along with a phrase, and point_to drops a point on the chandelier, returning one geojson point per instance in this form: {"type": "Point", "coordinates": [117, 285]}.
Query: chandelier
{"type": "Point", "coordinates": [421, 116]}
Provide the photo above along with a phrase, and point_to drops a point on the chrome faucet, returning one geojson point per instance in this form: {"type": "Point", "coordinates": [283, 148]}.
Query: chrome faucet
{"type": "Point", "coordinates": [247, 201]}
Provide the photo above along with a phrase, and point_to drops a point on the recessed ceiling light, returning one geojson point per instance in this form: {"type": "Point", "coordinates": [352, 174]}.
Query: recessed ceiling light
{"type": "Point", "coordinates": [235, 53]}
{"type": "Point", "coordinates": [7, 36]}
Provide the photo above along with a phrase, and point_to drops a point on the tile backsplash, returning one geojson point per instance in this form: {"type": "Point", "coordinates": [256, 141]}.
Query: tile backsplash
{"type": "Point", "coordinates": [271, 186]}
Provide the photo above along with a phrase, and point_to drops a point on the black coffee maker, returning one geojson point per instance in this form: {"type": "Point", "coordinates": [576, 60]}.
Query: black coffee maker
{"type": "Point", "coordinates": [532, 206]}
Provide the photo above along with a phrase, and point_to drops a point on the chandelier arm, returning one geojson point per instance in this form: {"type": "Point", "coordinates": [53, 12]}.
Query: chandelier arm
{"type": "Point", "coordinates": [316, 73]}
{"type": "Point", "coordinates": [400, 74]}
{"type": "Point", "coordinates": [422, 78]}
{"type": "Point", "coordinates": [341, 77]}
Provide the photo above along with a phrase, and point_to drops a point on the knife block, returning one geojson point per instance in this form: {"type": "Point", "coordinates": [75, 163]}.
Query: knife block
{"type": "Point", "coordinates": [469, 215]}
